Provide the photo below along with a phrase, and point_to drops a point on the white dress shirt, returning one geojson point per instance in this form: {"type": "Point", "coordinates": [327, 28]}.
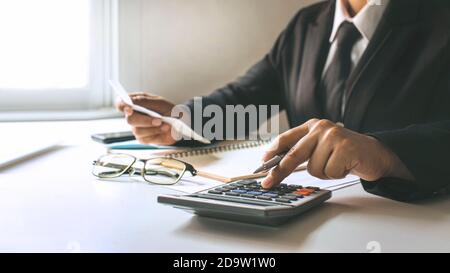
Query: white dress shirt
{"type": "Point", "coordinates": [366, 21]}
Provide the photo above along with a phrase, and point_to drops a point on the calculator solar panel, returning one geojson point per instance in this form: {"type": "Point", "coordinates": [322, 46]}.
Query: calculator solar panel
{"type": "Point", "coordinates": [247, 201]}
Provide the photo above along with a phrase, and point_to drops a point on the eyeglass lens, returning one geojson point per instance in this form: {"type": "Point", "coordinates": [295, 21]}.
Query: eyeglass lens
{"type": "Point", "coordinates": [162, 171]}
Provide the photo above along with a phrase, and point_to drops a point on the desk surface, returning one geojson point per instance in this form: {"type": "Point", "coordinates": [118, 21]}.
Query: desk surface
{"type": "Point", "coordinates": [52, 203]}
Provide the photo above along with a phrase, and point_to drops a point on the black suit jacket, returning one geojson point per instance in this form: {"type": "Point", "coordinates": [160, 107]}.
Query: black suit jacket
{"type": "Point", "coordinates": [399, 92]}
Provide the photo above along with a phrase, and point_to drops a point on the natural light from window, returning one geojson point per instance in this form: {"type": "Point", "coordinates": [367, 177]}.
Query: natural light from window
{"type": "Point", "coordinates": [45, 44]}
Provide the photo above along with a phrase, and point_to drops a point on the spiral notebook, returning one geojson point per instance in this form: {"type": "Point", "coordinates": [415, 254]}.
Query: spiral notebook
{"type": "Point", "coordinates": [227, 162]}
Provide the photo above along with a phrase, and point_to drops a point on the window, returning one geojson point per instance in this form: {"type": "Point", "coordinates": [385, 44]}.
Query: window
{"type": "Point", "coordinates": [56, 54]}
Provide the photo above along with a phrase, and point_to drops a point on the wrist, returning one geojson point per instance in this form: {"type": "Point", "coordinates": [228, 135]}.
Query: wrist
{"type": "Point", "coordinates": [393, 165]}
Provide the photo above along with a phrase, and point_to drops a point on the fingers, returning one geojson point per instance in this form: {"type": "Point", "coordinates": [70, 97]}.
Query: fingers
{"type": "Point", "coordinates": [286, 141]}
{"type": "Point", "coordinates": [139, 98]}
{"type": "Point", "coordinates": [155, 103]}
{"type": "Point", "coordinates": [142, 99]}
{"type": "Point", "coordinates": [161, 139]}
{"type": "Point", "coordinates": [128, 111]}
{"type": "Point", "coordinates": [154, 135]}
{"type": "Point", "coordinates": [136, 119]}
{"type": "Point", "coordinates": [145, 132]}
{"type": "Point", "coordinates": [145, 95]}
{"type": "Point", "coordinates": [299, 154]}
{"type": "Point", "coordinates": [325, 147]}
{"type": "Point", "coordinates": [317, 140]}
{"type": "Point", "coordinates": [333, 152]}
{"type": "Point", "coordinates": [336, 167]}
{"type": "Point", "coordinates": [120, 105]}
{"type": "Point", "coordinates": [318, 161]}
{"type": "Point", "coordinates": [148, 130]}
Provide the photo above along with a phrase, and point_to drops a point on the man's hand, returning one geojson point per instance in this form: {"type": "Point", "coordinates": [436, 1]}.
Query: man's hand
{"type": "Point", "coordinates": [333, 152]}
{"type": "Point", "coordinates": [149, 130]}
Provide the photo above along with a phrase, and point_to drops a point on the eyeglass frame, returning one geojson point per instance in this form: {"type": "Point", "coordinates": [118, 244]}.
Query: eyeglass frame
{"type": "Point", "coordinates": [132, 171]}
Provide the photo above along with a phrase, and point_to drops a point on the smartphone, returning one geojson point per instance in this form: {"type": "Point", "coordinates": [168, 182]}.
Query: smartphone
{"type": "Point", "coordinates": [109, 138]}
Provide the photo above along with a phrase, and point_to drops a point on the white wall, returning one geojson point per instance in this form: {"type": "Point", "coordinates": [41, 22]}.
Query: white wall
{"type": "Point", "coordinates": [185, 48]}
{"type": "Point", "coordinates": [182, 48]}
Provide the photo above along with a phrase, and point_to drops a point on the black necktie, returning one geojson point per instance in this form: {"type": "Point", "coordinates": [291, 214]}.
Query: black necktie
{"type": "Point", "coordinates": [333, 84]}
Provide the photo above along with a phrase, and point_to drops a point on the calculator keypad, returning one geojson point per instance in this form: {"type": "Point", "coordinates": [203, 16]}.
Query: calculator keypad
{"type": "Point", "coordinates": [251, 189]}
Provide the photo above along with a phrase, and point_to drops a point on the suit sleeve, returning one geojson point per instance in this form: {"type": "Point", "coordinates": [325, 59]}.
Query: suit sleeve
{"type": "Point", "coordinates": [424, 149]}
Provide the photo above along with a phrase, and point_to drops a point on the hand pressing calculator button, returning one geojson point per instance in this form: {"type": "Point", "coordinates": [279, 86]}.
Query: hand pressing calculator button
{"type": "Point", "coordinates": [248, 201]}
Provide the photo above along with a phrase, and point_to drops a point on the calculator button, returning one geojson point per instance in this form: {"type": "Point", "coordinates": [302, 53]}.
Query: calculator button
{"type": "Point", "coordinates": [246, 195]}
{"type": "Point", "coordinates": [283, 200]}
{"type": "Point", "coordinates": [222, 189]}
{"type": "Point", "coordinates": [316, 189]}
{"type": "Point", "coordinates": [214, 192]}
{"type": "Point", "coordinates": [299, 196]}
{"type": "Point", "coordinates": [265, 198]}
{"type": "Point", "coordinates": [255, 192]}
{"type": "Point", "coordinates": [230, 187]}
{"type": "Point", "coordinates": [291, 197]}
{"type": "Point", "coordinates": [305, 192]}
{"type": "Point", "coordinates": [232, 193]}
{"type": "Point", "coordinates": [271, 195]}
{"type": "Point", "coordinates": [246, 182]}
{"type": "Point", "coordinates": [239, 191]}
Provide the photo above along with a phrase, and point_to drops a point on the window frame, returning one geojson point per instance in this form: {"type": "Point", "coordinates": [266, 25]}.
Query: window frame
{"type": "Point", "coordinates": [103, 66]}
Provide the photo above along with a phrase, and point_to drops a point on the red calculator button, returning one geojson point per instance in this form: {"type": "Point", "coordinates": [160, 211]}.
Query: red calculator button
{"type": "Point", "coordinates": [305, 192]}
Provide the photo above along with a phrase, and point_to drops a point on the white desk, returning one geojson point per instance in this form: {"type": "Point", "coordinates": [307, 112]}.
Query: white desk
{"type": "Point", "coordinates": [52, 203]}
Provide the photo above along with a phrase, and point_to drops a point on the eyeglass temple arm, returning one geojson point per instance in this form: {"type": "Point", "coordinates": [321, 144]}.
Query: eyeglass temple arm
{"type": "Point", "coordinates": [139, 171]}
{"type": "Point", "coordinates": [110, 165]}
{"type": "Point", "coordinates": [191, 169]}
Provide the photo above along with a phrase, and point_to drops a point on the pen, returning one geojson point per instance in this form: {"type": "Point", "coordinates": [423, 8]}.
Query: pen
{"type": "Point", "coordinates": [270, 163]}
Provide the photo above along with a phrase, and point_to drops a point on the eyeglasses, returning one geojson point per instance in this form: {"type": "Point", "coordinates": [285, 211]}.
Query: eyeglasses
{"type": "Point", "coordinates": [161, 171]}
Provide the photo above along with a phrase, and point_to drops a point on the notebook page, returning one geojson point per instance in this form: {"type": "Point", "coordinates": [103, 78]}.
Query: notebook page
{"type": "Point", "coordinates": [229, 163]}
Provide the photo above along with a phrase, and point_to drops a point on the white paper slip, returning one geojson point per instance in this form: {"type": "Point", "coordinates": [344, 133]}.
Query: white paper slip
{"type": "Point", "coordinates": [344, 186]}
{"type": "Point", "coordinates": [305, 179]}
{"type": "Point", "coordinates": [195, 184]}
{"type": "Point", "coordinates": [179, 126]}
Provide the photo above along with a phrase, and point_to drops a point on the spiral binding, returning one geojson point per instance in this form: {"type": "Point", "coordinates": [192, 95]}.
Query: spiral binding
{"type": "Point", "coordinates": [218, 149]}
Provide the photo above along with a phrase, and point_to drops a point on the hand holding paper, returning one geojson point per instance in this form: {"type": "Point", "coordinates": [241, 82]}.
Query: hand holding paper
{"type": "Point", "coordinates": [177, 125]}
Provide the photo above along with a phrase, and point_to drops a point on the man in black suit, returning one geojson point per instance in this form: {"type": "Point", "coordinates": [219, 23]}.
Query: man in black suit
{"type": "Point", "coordinates": [366, 85]}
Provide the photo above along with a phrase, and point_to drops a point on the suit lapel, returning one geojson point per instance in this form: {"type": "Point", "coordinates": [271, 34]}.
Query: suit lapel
{"type": "Point", "coordinates": [314, 56]}
{"type": "Point", "coordinates": [395, 31]}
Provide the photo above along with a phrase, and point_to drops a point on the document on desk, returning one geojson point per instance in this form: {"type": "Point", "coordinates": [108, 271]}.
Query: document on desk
{"type": "Point", "coordinates": [195, 184]}
{"type": "Point", "coordinates": [305, 179]}
{"type": "Point", "coordinates": [227, 162]}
